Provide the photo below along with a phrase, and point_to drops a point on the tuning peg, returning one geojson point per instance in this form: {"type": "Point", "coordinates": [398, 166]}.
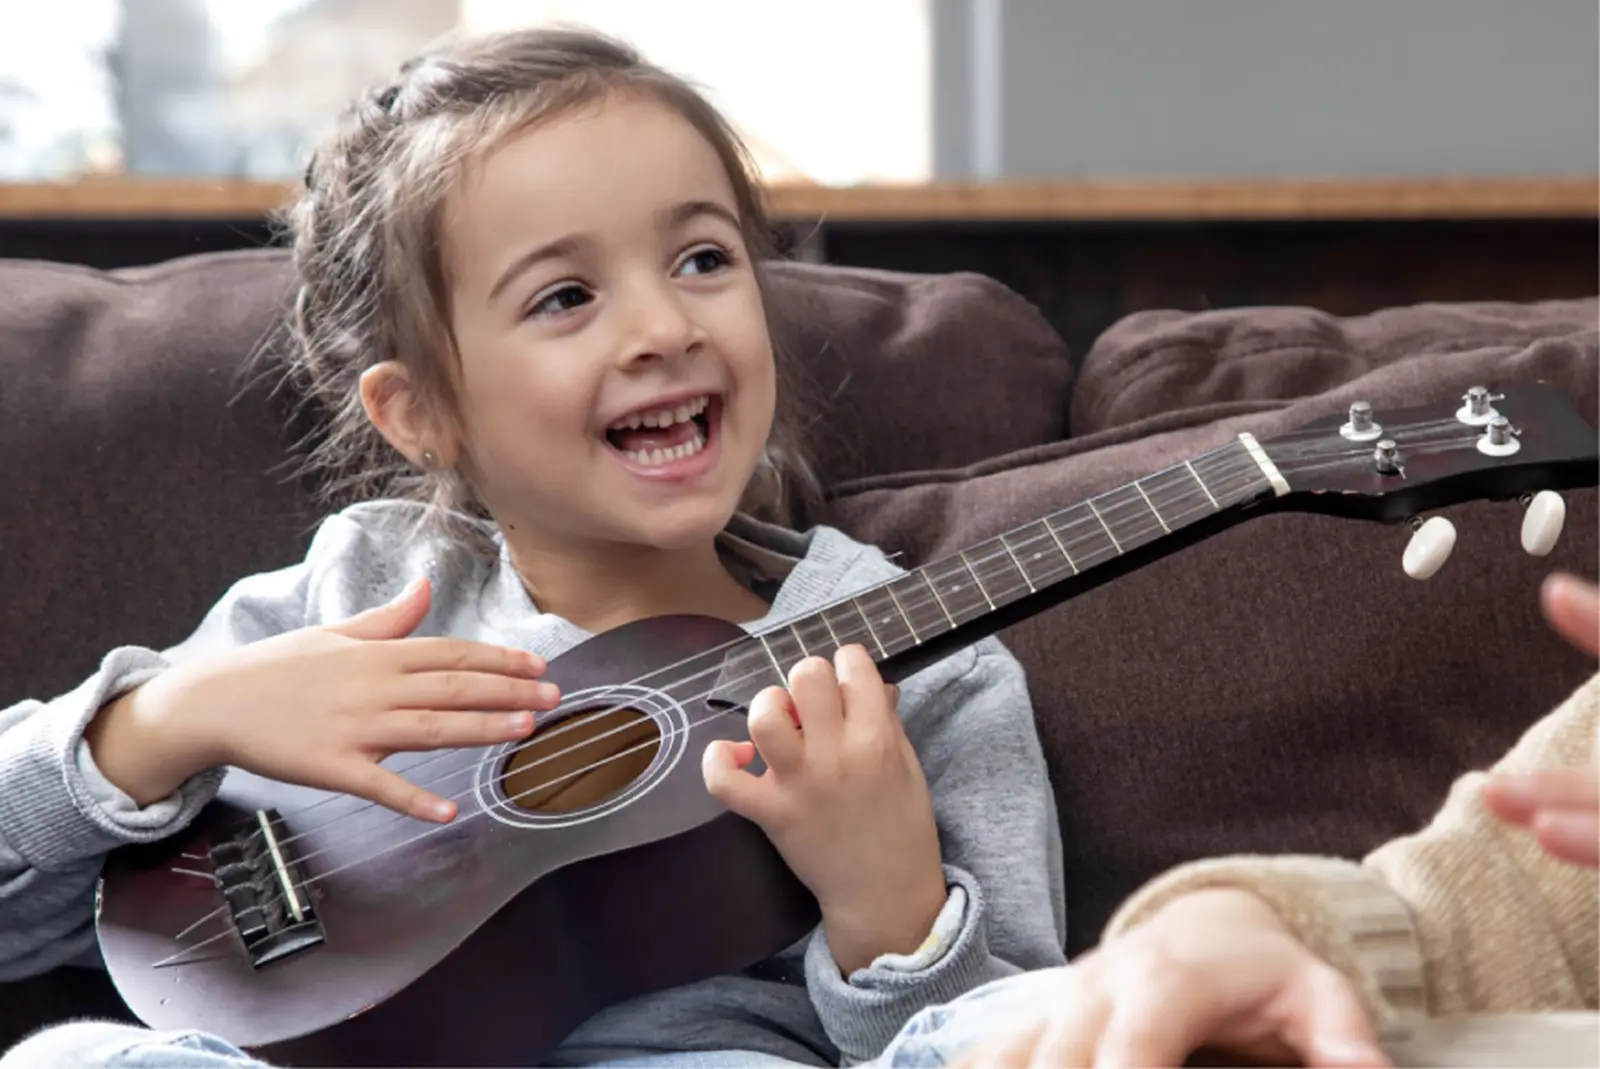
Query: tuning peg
{"type": "Point", "coordinates": [1542, 519]}
{"type": "Point", "coordinates": [1429, 548]}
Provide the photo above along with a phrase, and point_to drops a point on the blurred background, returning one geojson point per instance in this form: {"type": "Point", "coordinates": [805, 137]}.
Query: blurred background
{"type": "Point", "coordinates": [840, 92]}
{"type": "Point", "coordinates": [1096, 155]}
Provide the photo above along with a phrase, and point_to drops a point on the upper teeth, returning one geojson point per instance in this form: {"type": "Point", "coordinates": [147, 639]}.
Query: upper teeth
{"type": "Point", "coordinates": [662, 417]}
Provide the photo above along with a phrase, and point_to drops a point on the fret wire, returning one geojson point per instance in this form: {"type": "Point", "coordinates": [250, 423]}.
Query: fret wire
{"type": "Point", "coordinates": [1102, 520]}
{"type": "Point", "coordinates": [832, 634]}
{"type": "Point", "coordinates": [776, 667]}
{"type": "Point", "coordinates": [887, 606]}
{"type": "Point", "coordinates": [1153, 511]}
{"type": "Point", "coordinates": [1062, 546]}
{"type": "Point", "coordinates": [1203, 486]}
{"type": "Point", "coordinates": [998, 564]}
{"type": "Point", "coordinates": [957, 586]}
{"type": "Point", "coordinates": [936, 596]}
{"type": "Point", "coordinates": [1020, 569]}
{"type": "Point", "coordinates": [863, 614]}
{"type": "Point", "coordinates": [926, 611]}
{"type": "Point", "coordinates": [889, 588]}
{"type": "Point", "coordinates": [971, 571]}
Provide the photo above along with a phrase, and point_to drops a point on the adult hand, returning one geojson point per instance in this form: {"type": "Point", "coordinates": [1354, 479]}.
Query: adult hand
{"type": "Point", "coordinates": [1560, 806]}
{"type": "Point", "coordinates": [1214, 969]}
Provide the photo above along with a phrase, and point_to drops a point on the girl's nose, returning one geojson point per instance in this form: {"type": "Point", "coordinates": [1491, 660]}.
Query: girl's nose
{"type": "Point", "coordinates": [661, 328]}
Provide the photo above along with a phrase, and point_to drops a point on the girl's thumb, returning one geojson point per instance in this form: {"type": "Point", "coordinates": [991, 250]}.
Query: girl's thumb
{"type": "Point", "coordinates": [394, 619]}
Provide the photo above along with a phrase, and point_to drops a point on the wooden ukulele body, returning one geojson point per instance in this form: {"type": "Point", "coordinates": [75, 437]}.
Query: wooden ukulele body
{"type": "Point", "coordinates": [487, 940]}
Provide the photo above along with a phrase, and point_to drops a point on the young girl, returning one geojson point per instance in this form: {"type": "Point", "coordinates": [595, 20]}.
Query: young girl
{"type": "Point", "coordinates": [530, 298]}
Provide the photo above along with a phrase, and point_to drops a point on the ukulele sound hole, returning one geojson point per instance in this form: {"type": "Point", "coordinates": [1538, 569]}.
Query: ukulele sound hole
{"type": "Point", "coordinates": [581, 761]}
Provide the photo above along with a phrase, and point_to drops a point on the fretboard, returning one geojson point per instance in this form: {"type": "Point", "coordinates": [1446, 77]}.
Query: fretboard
{"type": "Point", "coordinates": [956, 595]}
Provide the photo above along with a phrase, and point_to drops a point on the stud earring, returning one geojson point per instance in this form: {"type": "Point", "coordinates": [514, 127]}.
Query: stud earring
{"type": "Point", "coordinates": [430, 459]}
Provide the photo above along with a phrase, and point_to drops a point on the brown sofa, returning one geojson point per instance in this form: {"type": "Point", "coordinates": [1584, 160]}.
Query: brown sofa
{"type": "Point", "coordinates": [1280, 686]}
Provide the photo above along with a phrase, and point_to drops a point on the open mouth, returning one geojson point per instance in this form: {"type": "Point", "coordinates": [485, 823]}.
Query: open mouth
{"type": "Point", "coordinates": [660, 437]}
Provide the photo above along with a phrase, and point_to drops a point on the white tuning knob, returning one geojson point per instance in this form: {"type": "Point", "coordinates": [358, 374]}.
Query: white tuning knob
{"type": "Point", "coordinates": [1429, 548]}
{"type": "Point", "coordinates": [1541, 524]}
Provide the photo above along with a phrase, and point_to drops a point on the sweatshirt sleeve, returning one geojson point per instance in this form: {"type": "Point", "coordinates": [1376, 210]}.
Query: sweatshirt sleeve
{"type": "Point", "coordinates": [59, 816]}
{"type": "Point", "coordinates": [1467, 916]}
{"type": "Point", "coordinates": [974, 731]}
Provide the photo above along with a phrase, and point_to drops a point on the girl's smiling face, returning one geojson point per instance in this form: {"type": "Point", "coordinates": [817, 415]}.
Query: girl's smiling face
{"type": "Point", "coordinates": [616, 379]}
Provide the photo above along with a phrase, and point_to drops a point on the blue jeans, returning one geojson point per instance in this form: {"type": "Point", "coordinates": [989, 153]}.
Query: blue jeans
{"type": "Point", "coordinates": [933, 1038]}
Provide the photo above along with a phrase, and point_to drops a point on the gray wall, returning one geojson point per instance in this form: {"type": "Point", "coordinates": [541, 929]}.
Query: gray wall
{"type": "Point", "coordinates": [1049, 88]}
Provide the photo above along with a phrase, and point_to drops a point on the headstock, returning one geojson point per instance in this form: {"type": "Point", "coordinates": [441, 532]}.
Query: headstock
{"type": "Point", "coordinates": [1391, 466]}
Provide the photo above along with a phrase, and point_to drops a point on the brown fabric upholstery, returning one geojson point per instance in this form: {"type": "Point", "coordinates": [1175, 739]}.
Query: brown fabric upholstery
{"type": "Point", "coordinates": [1282, 686]}
{"type": "Point", "coordinates": [1161, 361]}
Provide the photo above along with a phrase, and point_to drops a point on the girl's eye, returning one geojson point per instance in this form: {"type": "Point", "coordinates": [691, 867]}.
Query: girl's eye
{"type": "Point", "coordinates": [562, 299]}
{"type": "Point", "coordinates": [705, 261]}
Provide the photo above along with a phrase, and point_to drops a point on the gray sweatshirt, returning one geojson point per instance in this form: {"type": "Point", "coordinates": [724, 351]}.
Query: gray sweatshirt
{"type": "Point", "coordinates": [968, 716]}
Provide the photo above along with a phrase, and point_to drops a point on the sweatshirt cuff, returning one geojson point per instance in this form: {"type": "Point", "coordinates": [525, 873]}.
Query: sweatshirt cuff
{"type": "Point", "coordinates": [862, 1014]}
{"type": "Point", "coordinates": [55, 811]}
{"type": "Point", "coordinates": [1344, 913]}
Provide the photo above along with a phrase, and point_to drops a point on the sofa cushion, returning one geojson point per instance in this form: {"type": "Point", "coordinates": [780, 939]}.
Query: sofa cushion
{"type": "Point", "coordinates": [917, 371]}
{"type": "Point", "coordinates": [1163, 360]}
{"type": "Point", "coordinates": [1281, 686]}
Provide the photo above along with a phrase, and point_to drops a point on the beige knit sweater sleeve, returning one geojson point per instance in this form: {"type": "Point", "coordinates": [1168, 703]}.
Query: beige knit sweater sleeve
{"type": "Point", "coordinates": [1466, 916]}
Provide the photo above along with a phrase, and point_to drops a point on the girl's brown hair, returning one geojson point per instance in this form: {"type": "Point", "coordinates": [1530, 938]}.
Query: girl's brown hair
{"type": "Point", "coordinates": [365, 232]}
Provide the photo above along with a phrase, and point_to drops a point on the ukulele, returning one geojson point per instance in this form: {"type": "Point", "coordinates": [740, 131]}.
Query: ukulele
{"type": "Point", "coordinates": [313, 927]}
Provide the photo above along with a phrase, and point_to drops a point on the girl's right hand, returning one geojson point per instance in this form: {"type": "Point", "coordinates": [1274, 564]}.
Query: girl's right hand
{"type": "Point", "coordinates": [321, 706]}
{"type": "Point", "coordinates": [1214, 969]}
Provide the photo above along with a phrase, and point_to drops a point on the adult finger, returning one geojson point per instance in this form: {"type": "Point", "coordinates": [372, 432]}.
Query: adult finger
{"type": "Point", "coordinates": [438, 729]}
{"type": "Point", "coordinates": [471, 690]}
{"type": "Point", "coordinates": [1517, 797]}
{"type": "Point", "coordinates": [462, 655]}
{"type": "Point", "coordinates": [1073, 1033]}
{"type": "Point", "coordinates": [1017, 1049]}
{"type": "Point", "coordinates": [1157, 1023]}
{"type": "Point", "coordinates": [1573, 837]}
{"type": "Point", "coordinates": [1572, 606]}
{"type": "Point", "coordinates": [774, 731]}
{"type": "Point", "coordinates": [815, 691]}
{"type": "Point", "coordinates": [1327, 1025]}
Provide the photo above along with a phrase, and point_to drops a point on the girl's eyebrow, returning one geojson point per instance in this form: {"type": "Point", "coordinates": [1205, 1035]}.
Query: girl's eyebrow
{"type": "Point", "coordinates": [679, 214]}
{"type": "Point", "coordinates": [566, 246]}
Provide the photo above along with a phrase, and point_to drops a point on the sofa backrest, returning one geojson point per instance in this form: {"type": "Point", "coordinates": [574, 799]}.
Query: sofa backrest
{"type": "Point", "coordinates": [145, 469]}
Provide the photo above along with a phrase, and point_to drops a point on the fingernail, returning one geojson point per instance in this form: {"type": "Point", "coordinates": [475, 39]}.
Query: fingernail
{"type": "Point", "coordinates": [521, 723]}
{"type": "Point", "coordinates": [536, 663]}
{"type": "Point", "coordinates": [549, 692]}
{"type": "Point", "coordinates": [441, 810]}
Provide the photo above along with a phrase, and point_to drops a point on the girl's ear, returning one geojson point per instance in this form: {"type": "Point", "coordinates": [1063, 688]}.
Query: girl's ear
{"type": "Point", "coordinates": [404, 418]}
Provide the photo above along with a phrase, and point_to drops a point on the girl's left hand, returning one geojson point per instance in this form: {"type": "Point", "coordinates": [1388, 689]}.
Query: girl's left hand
{"type": "Point", "coordinates": [844, 800]}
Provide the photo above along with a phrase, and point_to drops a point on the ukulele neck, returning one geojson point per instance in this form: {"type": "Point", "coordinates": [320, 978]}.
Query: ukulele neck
{"type": "Point", "coordinates": [917, 618]}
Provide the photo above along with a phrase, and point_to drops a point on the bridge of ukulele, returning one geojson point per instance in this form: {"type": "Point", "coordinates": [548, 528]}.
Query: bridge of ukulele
{"type": "Point", "coordinates": [258, 875]}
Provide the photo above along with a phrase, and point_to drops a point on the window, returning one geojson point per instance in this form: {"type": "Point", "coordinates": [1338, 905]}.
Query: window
{"type": "Point", "coordinates": [830, 91]}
